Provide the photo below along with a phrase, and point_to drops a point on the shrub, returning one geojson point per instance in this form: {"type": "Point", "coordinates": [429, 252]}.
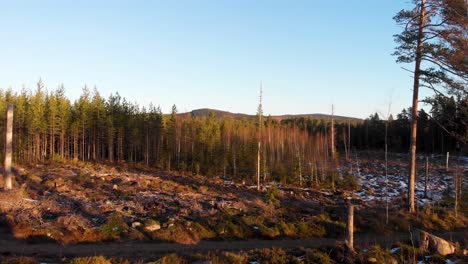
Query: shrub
{"type": "Point", "coordinates": [91, 260]}
{"type": "Point", "coordinates": [114, 227]}
{"type": "Point", "coordinates": [348, 182]}
{"type": "Point", "coordinates": [172, 259]}
{"type": "Point", "coordinates": [227, 228]}
{"type": "Point", "coordinates": [274, 256]}
{"type": "Point", "coordinates": [253, 220]}
{"type": "Point", "coordinates": [272, 196]}
{"type": "Point", "coordinates": [441, 219]}
{"type": "Point", "coordinates": [380, 254]}
{"type": "Point", "coordinates": [201, 232]}
{"type": "Point", "coordinates": [269, 232]}
{"type": "Point", "coordinates": [287, 229]}
{"type": "Point", "coordinates": [225, 257]}
{"type": "Point", "coordinates": [407, 253]}
{"type": "Point", "coordinates": [310, 229]}
{"type": "Point", "coordinates": [18, 260]}
{"type": "Point", "coordinates": [235, 258]}
{"type": "Point", "coordinates": [317, 256]}
{"type": "Point", "coordinates": [399, 223]}
{"type": "Point", "coordinates": [184, 233]}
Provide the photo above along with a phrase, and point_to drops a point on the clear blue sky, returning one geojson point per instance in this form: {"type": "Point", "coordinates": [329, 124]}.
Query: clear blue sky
{"type": "Point", "coordinates": [309, 54]}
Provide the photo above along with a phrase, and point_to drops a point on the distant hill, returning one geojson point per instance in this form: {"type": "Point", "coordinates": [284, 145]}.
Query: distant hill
{"type": "Point", "coordinates": [219, 114]}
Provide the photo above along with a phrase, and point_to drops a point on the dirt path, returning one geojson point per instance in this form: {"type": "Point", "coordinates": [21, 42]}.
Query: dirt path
{"type": "Point", "coordinates": [145, 250]}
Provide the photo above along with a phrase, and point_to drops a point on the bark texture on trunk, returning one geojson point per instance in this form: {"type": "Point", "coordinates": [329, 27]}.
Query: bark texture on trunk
{"type": "Point", "coordinates": [414, 121]}
{"type": "Point", "coordinates": [350, 226]}
{"type": "Point", "coordinates": [8, 148]}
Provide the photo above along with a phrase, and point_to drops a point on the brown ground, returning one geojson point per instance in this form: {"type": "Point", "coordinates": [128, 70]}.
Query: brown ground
{"type": "Point", "coordinates": [89, 209]}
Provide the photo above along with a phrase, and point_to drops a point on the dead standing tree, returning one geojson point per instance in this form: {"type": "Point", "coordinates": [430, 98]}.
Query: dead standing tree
{"type": "Point", "coordinates": [260, 125]}
{"type": "Point", "coordinates": [332, 136]}
{"type": "Point", "coordinates": [350, 226]}
{"type": "Point", "coordinates": [8, 148]}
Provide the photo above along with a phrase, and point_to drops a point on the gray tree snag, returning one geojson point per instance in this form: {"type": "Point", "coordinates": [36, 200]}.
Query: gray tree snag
{"type": "Point", "coordinates": [8, 148]}
{"type": "Point", "coordinates": [447, 162]}
{"type": "Point", "coordinates": [414, 121]}
{"type": "Point", "coordinates": [350, 226]}
{"type": "Point", "coordinates": [349, 138]}
{"type": "Point", "coordinates": [260, 125]}
{"type": "Point", "coordinates": [333, 150]}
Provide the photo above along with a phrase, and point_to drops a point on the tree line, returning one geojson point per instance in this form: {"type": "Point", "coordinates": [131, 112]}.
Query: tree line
{"type": "Point", "coordinates": [49, 126]}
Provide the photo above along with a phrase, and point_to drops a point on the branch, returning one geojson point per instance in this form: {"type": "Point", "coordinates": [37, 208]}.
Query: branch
{"type": "Point", "coordinates": [407, 70]}
{"type": "Point", "coordinates": [430, 86]}
{"type": "Point", "coordinates": [442, 66]}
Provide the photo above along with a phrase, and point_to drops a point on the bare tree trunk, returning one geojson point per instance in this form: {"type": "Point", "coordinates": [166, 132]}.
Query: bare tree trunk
{"type": "Point", "coordinates": [447, 162]}
{"type": "Point", "coordinates": [8, 148]}
{"type": "Point", "coordinates": [345, 144]}
{"type": "Point", "coordinates": [332, 134]}
{"type": "Point", "coordinates": [414, 122]}
{"type": "Point", "coordinates": [349, 137]}
{"type": "Point", "coordinates": [260, 113]}
{"type": "Point", "coordinates": [350, 226]}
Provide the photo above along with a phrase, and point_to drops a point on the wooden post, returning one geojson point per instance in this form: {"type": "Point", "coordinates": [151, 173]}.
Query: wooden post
{"type": "Point", "coordinates": [350, 226]}
{"type": "Point", "coordinates": [8, 148]}
{"type": "Point", "coordinates": [447, 161]}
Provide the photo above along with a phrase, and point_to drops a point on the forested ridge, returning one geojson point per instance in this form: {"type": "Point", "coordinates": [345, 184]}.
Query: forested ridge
{"type": "Point", "coordinates": [48, 126]}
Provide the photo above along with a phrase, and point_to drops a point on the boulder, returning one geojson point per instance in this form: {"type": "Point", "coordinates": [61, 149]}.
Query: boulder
{"type": "Point", "coordinates": [432, 243]}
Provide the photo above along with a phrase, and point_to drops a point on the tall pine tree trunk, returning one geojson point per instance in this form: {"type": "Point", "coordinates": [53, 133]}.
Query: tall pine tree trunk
{"type": "Point", "coordinates": [414, 121]}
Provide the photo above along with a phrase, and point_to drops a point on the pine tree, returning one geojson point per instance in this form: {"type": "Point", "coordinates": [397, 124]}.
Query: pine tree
{"type": "Point", "coordinates": [37, 122]}
{"type": "Point", "coordinates": [434, 33]}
